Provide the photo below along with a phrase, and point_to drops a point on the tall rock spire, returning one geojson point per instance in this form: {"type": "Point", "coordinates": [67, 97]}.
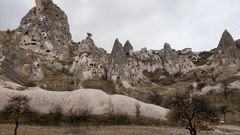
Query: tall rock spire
{"type": "Point", "coordinates": [118, 53]}
{"type": "Point", "coordinates": [45, 30]}
{"type": "Point", "coordinates": [128, 48]}
{"type": "Point", "coordinates": [226, 58]}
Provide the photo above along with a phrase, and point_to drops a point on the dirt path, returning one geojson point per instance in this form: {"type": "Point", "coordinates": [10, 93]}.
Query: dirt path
{"type": "Point", "coordinates": [228, 129]}
{"type": "Point", "coordinates": [109, 130]}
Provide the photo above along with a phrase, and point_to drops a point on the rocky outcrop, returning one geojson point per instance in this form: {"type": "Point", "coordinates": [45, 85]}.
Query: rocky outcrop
{"type": "Point", "coordinates": [22, 66]}
{"type": "Point", "coordinates": [173, 63]}
{"type": "Point", "coordinates": [170, 60]}
{"type": "Point", "coordinates": [118, 53]}
{"type": "Point", "coordinates": [128, 49]}
{"type": "Point", "coordinates": [238, 43]}
{"type": "Point", "coordinates": [89, 62]}
{"type": "Point", "coordinates": [87, 45]}
{"type": "Point", "coordinates": [96, 102]}
{"type": "Point", "coordinates": [226, 60]}
{"type": "Point", "coordinates": [44, 30]}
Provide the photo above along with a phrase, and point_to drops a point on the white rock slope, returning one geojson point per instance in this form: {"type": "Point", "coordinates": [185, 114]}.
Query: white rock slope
{"type": "Point", "coordinates": [94, 101]}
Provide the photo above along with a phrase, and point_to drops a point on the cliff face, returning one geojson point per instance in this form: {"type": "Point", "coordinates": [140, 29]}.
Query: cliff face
{"type": "Point", "coordinates": [45, 30]}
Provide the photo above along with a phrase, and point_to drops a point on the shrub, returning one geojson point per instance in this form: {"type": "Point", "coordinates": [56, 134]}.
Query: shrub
{"type": "Point", "coordinates": [30, 84]}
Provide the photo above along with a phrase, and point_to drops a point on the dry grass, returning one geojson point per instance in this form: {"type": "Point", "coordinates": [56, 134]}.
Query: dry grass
{"type": "Point", "coordinates": [99, 130]}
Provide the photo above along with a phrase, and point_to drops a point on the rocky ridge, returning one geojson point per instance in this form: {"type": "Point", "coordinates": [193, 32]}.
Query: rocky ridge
{"type": "Point", "coordinates": [43, 40]}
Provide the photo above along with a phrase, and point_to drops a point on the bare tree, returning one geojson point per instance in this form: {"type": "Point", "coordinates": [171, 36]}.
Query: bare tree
{"type": "Point", "coordinates": [17, 109]}
{"type": "Point", "coordinates": [226, 90]}
{"type": "Point", "coordinates": [224, 109]}
{"type": "Point", "coordinates": [138, 106]}
{"type": "Point", "coordinates": [190, 111]}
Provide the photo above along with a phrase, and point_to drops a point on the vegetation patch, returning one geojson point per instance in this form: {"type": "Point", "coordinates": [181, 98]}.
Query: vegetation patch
{"type": "Point", "coordinates": [203, 58]}
{"type": "Point", "coordinates": [104, 85]}
{"type": "Point", "coordinates": [56, 81]}
{"type": "Point", "coordinates": [6, 36]}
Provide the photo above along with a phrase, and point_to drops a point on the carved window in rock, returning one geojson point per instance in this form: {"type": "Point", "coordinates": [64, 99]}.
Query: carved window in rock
{"type": "Point", "coordinates": [26, 33]}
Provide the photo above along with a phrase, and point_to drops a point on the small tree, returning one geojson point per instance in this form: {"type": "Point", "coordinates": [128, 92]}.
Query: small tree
{"type": "Point", "coordinates": [17, 109]}
{"type": "Point", "coordinates": [138, 112]}
{"type": "Point", "coordinates": [155, 98]}
{"type": "Point", "coordinates": [225, 89]}
{"type": "Point", "coordinates": [189, 110]}
{"type": "Point", "coordinates": [224, 109]}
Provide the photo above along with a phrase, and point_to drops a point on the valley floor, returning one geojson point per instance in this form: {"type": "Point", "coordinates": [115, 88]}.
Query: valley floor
{"type": "Point", "coordinates": [113, 130]}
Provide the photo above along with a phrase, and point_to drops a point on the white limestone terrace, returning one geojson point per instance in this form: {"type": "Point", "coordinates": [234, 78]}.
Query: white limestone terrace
{"type": "Point", "coordinates": [96, 102]}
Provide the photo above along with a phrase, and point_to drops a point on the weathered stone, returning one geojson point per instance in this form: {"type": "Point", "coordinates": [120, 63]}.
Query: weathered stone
{"type": "Point", "coordinates": [118, 53]}
{"type": "Point", "coordinates": [22, 66]}
{"type": "Point", "coordinates": [173, 63]}
{"type": "Point", "coordinates": [87, 45]}
{"type": "Point", "coordinates": [238, 43]}
{"type": "Point", "coordinates": [44, 30]}
{"type": "Point", "coordinates": [128, 48]}
{"type": "Point", "coordinates": [226, 58]}
{"type": "Point", "coordinates": [170, 60]}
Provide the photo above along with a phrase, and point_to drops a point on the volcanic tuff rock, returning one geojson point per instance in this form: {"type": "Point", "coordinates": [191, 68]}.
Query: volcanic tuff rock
{"type": "Point", "coordinates": [118, 53]}
{"type": "Point", "coordinates": [173, 63]}
{"type": "Point", "coordinates": [44, 35]}
{"type": "Point", "coordinates": [44, 30]}
{"type": "Point", "coordinates": [238, 43]}
{"type": "Point", "coordinates": [93, 101]}
{"type": "Point", "coordinates": [22, 66]}
{"type": "Point", "coordinates": [128, 48]}
{"type": "Point", "coordinates": [226, 60]}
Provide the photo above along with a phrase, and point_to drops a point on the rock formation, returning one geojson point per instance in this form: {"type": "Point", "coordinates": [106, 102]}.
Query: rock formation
{"type": "Point", "coordinates": [118, 53]}
{"type": "Point", "coordinates": [22, 66]}
{"type": "Point", "coordinates": [170, 60]}
{"type": "Point", "coordinates": [226, 60]}
{"type": "Point", "coordinates": [128, 49]}
{"type": "Point", "coordinates": [93, 101]}
{"type": "Point", "coordinates": [44, 30]}
{"type": "Point", "coordinates": [238, 43]}
{"type": "Point", "coordinates": [173, 63]}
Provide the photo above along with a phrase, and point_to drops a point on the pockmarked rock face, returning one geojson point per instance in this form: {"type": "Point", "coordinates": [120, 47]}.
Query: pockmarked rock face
{"type": "Point", "coordinates": [128, 49]}
{"type": "Point", "coordinates": [93, 101]}
{"type": "Point", "coordinates": [226, 60]}
{"type": "Point", "coordinates": [174, 63]}
{"type": "Point", "coordinates": [44, 30]}
{"type": "Point", "coordinates": [22, 66]}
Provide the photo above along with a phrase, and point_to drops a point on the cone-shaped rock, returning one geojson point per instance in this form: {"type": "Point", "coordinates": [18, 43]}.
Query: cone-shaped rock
{"type": "Point", "coordinates": [128, 48]}
{"type": "Point", "coordinates": [170, 60]}
{"type": "Point", "coordinates": [226, 57]}
{"type": "Point", "coordinates": [118, 53]}
{"type": "Point", "coordinates": [44, 30]}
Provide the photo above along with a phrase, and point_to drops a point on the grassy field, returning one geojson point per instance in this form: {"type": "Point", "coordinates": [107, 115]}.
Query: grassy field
{"type": "Point", "coordinates": [111, 130]}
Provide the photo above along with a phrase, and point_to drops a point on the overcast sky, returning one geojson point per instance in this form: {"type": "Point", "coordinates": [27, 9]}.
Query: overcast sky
{"type": "Point", "coordinates": [198, 24]}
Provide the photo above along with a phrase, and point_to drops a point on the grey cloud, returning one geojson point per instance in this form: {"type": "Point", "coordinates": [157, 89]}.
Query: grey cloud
{"type": "Point", "coordinates": [182, 23]}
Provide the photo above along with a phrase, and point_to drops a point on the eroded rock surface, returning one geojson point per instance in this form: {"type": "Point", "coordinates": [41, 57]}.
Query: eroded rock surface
{"type": "Point", "coordinates": [226, 60]}
{"type": "Point", "coordinates": [45, 30]}
{"type": "Point", "coordinates": [22, 66]}
{"type": "Point", "coordinates": [93, 101]}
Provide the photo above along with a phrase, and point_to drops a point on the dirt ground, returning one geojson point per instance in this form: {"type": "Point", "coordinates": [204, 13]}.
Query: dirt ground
{"type": "Point", "coordinates": [112, 130]}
